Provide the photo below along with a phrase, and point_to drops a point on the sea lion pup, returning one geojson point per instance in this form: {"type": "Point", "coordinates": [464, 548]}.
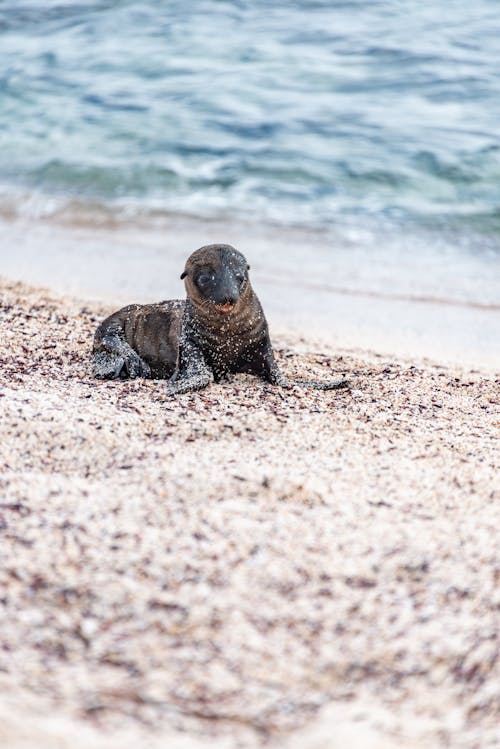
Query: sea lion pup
{"type": "Point", "coordinates": [220, 329]}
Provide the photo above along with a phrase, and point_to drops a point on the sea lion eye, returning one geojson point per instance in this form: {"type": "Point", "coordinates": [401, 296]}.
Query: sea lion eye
{"type": "Point", "coordinates": [240, 279]}
{"type": "Point", "coordinates": [204, 279]}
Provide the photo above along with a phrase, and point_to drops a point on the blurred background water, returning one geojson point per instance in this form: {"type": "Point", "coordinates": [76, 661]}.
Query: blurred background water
{"type": "Point", "coordinates": [304, 112]}
{"type": "Point", "coordinates": [375, 125]}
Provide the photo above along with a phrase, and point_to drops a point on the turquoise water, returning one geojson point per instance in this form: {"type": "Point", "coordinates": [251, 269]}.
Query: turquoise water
{"type": "Point", "coordinates": [313, 113]}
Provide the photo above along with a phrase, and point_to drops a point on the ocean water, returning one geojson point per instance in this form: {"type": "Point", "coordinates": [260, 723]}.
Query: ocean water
{"type": "Point", "coordinates": [364, 135]}
{"type": "Point", "coordinates": [309, 113]}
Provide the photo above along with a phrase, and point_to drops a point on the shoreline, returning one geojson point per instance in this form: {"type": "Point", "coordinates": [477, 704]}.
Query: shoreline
{"type": "Point", "coordinates": [310, 283]}
{"type": "Point", "coordinates": [243, 565]}
{"type": "Point", "coordinates": [294, 336]}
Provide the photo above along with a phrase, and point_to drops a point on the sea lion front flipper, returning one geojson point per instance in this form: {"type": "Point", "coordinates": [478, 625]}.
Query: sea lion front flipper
{"type": "Point", "coordinates": [187, 384]}
{"type": "Point", "coordinates": [272, 374]}
{"type": "Point", "coordinates": [329, 385]}
{"type": "Point", "coordinates": [192, 372]}
{"type": "Point", "coordinates": [280, 380]}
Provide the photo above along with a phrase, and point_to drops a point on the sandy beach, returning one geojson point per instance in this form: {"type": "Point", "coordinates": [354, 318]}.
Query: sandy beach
{"type": "Point", "coordinates": [248, 567]}
{"type": "Point", "coordinates": [244, 565]}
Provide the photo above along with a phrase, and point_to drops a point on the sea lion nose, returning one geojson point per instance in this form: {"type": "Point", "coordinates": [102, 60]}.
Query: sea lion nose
{"type": "Point", "coordinates": [228, 292]}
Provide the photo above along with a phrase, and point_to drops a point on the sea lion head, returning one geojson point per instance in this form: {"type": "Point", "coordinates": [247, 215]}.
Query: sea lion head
{"type": "Point", "coordinates": [216, 278]}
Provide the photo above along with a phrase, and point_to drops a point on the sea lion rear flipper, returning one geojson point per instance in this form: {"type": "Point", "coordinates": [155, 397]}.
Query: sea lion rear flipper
{"type": "Point", "coordinates": [135, 366]}
{"type": "Point", "coordinates": [107, 366]}
{"type": "Point", "coordinates": [114, 357]}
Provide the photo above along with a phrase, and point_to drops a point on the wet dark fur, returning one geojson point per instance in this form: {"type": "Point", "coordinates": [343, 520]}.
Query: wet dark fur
{"type": "Point", "coordinates": [220, 329]}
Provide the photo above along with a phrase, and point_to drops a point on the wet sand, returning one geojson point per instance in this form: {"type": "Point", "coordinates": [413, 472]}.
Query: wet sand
{"type": "Point", "coordinates": [244, 565]}
{"type": "Point", "coordinates": [345, 290]}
